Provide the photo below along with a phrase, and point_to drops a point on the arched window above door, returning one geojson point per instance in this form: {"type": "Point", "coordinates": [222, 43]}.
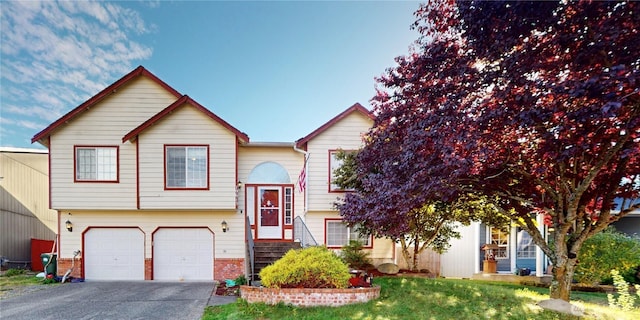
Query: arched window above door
{"type": "Point", "coordinates": [269, 172]}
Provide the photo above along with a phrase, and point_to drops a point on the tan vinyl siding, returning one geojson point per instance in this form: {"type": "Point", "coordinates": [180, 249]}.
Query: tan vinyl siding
{"type": "Point", "coordinates": [381, 252]}
{"type": "Point", "coordinates": [187, 126]}
{"type": "Point", "coordinates": [226, 244]}
{"type": "Point", "coordinates": [24, 204]}
{"type": "Point", "coordinates": [345, 134]}
{"type": "Point", "coordinates": [104, 124]}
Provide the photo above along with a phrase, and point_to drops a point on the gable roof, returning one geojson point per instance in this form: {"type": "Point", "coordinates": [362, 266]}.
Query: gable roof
{"type": "Point", "coordinates": [133, 134]}
{"type": "Point", "coordinates": [354, 108]}
{"type": "Point", "coordinates": [137, 72]}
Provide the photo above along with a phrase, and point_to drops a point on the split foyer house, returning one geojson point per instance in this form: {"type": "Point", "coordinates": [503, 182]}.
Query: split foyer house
{"type": "Point", "coordinates": [150, 185]}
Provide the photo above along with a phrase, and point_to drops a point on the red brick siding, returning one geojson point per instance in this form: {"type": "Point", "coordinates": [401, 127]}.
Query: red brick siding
{"type": "Point", "coordinates": [64, 265]}
{"type": "Point", "coordinates": [309, 297]}
{"type": "Point", "coordinates": [148, 269]}
{"type": "Point", "coordinates": [228, 268]}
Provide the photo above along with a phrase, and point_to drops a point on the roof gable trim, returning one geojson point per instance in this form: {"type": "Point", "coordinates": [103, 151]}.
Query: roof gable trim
{"type": "Point", "coordinates": [357, 107]}
{"type": "Point", "coordinates": [185, 99]}
{"type": "Point", "coordinates": [139, 71]}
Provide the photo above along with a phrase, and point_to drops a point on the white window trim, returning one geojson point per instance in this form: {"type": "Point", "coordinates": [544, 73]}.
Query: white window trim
{"type": "Point", "coordinates": [112, 173]}
{"type": "Point", "coordinates": [187, 186]}
{"type": "Point", "coordinates": [503, 246]}
{"type": "Point", "coordinates": [369, 239]}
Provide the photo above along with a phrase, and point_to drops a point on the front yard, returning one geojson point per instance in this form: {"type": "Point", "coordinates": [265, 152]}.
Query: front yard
{"type": "Point", "coordinates": [420, 298]}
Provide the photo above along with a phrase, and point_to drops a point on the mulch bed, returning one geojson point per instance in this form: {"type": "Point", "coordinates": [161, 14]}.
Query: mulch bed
{"type": "Point", "coordinates": [223, 290]}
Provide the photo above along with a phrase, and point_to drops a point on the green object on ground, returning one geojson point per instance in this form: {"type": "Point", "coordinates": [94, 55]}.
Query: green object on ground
{"type": "Point", "coordinates": [230, 283]}
{"type": "Point", "coordinates": [49, 261]}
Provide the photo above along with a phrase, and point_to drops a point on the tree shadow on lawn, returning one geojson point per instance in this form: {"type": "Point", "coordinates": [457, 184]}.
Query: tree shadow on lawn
{"type": "Point", "coordinates": [420, 298]}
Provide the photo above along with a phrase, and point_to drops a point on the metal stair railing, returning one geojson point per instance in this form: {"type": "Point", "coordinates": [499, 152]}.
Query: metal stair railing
{"type": "Point", "coordinates": [250, 250]}
{"type": "Point", "coordinates": [301, 233]}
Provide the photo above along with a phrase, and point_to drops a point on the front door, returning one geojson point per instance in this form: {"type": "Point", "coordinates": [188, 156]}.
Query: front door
{"type": "Point", "coordinates": [269, 213]}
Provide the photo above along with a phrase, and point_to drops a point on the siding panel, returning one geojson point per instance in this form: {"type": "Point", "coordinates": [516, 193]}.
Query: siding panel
{"type": "Point", "coordinates": [187, 126]}
{"type": "Point", "coordinates": [347, 135]}
{"type": "Point", "coordinates": [104, 124]}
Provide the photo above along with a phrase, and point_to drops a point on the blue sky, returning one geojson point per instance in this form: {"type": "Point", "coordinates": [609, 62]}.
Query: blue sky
{"type": "Point", "coordinates": [274, 70]}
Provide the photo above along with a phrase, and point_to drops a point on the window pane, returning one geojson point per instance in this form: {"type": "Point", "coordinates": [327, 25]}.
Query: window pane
{"type": "Point", "coordinates": [106, 163]}
{"type": "Point", "coordinates": [97, 163]}
{"type": "Point", "coordinates": [337, 234]}
{"type": "Point", "coordinates": [355, 235]}
{"type": "Point", "coordinates": [288, 205]}
{"type": "Point", "coordinates": [86, 166]}
{"type": "Point", "coordinates": [500, 238]}
{"type": "Point", "coordinates": [187, 167]}
{"type": "Point", "coordinates": [335, 164]}
{"type": "Point", "coordinates": [197, 167]}
{"type": "Point", "coordinates": [526, 248]}
{"type": "Point", "coordinates": [176, 170]}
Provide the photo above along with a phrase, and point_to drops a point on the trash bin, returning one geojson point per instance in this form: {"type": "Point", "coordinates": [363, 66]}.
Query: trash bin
{"type": "Point", "coordinates": [49, 262]}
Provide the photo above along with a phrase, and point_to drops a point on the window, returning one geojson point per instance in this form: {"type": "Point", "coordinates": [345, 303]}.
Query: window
{"type": "Point", "coordinates": [338, 234]}
{"type": "Point", "coordinates": [526, 248]}
{"type": "Point", "coordinates": [187, 167]}
{"type": "Point", "coordinates": [500, 238]}
{"type": "Point", "coordinates": [96, 164]}
{"type": "Point", "coordinates": [335, 163]}
{"type": "Point", "coordinates": [288, 205]}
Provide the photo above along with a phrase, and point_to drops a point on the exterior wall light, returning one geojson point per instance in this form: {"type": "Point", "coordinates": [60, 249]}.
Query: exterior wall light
{"type": "Point", "coordinates": [225, 226]}
{"type": "Point", "coordinates": [69, 226]}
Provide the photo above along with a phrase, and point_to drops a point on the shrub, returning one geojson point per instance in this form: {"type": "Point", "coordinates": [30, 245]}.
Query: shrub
{"type": "Point", "coordinates": [241, 280]}
{"type": "Point", "coordinates": [313, 267]}
{"type": "Point", "coordinates": [624, 301]}
{"type": "Point", "coordinates": [355, 257]}
{"type": "Point", "coordinates": [604, 252]}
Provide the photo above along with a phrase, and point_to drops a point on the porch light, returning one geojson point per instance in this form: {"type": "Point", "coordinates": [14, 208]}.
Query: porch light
{"type": "Point", "coordinates": [225, 226]}
{"type": "Point", "coordinates": [69, 226]}
{"type": "Point", "coordinates": [239, 185]}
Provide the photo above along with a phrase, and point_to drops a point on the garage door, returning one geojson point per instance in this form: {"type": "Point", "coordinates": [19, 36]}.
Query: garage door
{"type": "Point", "coordinates": [114, 254]}
{"type": "Point", "coordinates": [183, 254]}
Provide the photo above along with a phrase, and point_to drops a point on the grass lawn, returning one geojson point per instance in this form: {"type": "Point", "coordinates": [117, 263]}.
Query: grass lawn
{"type": "Point", "coordinates": [18, 279]}
{"type": "Point", "coordinates": [420, 298]}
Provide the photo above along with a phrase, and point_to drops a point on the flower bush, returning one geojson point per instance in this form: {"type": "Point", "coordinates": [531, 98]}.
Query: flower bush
{"type": "Point", "coordinates": [313, 267]}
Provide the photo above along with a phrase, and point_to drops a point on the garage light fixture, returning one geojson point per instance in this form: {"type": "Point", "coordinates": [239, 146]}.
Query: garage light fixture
{"type": "Point", "coordinates": [69, 225]}
{"type": "Point", "coordinates": [225, 226]}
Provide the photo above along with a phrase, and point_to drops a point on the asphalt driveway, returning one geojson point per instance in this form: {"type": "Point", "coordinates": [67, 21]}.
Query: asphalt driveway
{"type": "Point", "coordinates": [111, 300]}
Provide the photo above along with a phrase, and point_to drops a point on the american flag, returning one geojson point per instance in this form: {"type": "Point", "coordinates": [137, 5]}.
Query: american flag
{"type": "Point", "coordinates": [302, 178]}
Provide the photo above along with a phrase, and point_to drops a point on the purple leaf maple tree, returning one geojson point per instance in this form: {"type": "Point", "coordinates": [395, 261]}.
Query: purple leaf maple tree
{"type": "Point", "coordinates": [532, 106]}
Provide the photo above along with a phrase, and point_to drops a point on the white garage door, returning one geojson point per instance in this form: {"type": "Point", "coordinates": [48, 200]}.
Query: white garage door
{"type": "Point", "coordinates": [183, 254]}
{"type": "Point", "coordinates": [114, 254]}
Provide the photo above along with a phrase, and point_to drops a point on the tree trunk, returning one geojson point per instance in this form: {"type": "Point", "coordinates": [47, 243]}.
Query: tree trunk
{"type": "Point", "coordinates": [562, 279]}
{"type": "Point", "coordinates": [405, 252]}
{"type": "Point", "coordinates": [416, 248]}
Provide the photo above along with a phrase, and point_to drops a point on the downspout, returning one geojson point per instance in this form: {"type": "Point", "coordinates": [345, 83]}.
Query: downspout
{"type": "Point", "coordinates": [306, 167]}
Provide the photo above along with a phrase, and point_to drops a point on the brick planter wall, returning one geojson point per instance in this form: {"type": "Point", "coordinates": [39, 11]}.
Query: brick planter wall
{"type": "Point", "coordinates": [305, 297]}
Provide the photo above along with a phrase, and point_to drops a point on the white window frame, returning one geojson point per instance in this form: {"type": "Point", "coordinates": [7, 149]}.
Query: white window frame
{"type": "Point", "coordinates": [288, 205]}
{"type": "Point", "coordinates": [502, 240]}
{"type": "Point", "coordinates": [193, 179]}
{"type": "Point", "coordinates": [332, 226]}
{"type": "Point", "coordinates": [102, 163]}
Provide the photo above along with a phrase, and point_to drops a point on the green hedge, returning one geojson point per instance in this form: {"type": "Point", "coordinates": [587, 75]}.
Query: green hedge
{"type": "Point", "coordinates": [604, 252]}
{"type": "Point", "coordinates": [313, 267]}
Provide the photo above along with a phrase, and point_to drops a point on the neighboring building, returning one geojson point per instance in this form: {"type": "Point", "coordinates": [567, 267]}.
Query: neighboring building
{"type": "Point", "coordinates": [24, 203]}
{"type": "Point", "coordinates": [154, 186]}
{"type": "Point", "coordinates": [629, 224]}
